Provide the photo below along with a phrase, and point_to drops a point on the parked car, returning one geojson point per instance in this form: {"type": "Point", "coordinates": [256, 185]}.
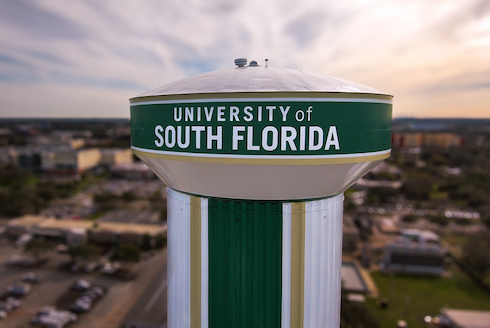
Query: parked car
{"type": "Point", "coordinates": [81, 284]}
{"type": "Point", "coordinates": [14, 302]}
{"type": "Point", "coordinates": [94, 292]}
{"type": "Point", "coordinates": [110, 268]}
{"type": "Point", "coordinates": [15, 259]}
{"type": "Point", "coordinates": [22, 240]}
{"type": "Point", "coordinates": [45, 310]}
{"type": "Point", "coordinates": [80, 306]}
{"type": "Point", "coordinates": [19, 260]}
{"type": "Point", "coordinates": [19, 289]}
{"type": "Point", "coordinates": [90, 267]}
{"type": "Point", "coordinates": [31, 277]}
{"type": "Point", "coordinates": [29, 261]}
{"type": "Point", "coordinates": [75, 267]}
{"type": "Point", "coordinates": [4, 306]}
{"type": "Point", "coordinates": [62, 248]}
{"type": "Point", "coordinates": [50, 317]}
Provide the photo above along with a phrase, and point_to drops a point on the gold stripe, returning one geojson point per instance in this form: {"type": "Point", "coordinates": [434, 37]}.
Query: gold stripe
{"type": "Point", "coordinates": [264, 161]}
{"type": "Point", "coordinates": [195, 235]}
{"type": "Point", "coordinates": [297, 264]}
{"type": "Point", "coordinates": [260, 95]}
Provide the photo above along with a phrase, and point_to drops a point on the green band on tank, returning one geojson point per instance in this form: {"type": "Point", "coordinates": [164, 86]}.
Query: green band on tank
{"type": "Point", "coordinates": [262, 127]}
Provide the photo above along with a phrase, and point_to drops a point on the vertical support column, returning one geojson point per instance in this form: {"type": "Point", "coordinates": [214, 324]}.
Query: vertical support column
{"type": "Point", "coordinates": [179, 261]}
{"type": "Point", "coordinates": [297, 264]}
{"type": "Point", "coordinates": [187, 260]}
{"type": "Point", "coordinates": [312, 260]}
{"type": "Point", "coordinates": [323, 262]}
{"type": "Point", "coordinates": [253, 264]}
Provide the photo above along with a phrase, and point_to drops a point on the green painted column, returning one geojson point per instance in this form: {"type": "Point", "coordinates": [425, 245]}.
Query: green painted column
{"type": "Point", "coordinates": [245, 249]}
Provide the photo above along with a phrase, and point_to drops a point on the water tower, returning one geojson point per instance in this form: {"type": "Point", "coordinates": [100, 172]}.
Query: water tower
{"type": "Point", "coordinates": [256, 160]}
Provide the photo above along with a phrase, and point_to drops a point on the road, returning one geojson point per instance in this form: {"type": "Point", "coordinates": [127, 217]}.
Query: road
{"type": "Point", "coordinates": [151, 307]}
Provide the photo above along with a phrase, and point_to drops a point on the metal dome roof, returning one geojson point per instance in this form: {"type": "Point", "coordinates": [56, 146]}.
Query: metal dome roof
{"type": "Point", "coordinates": [259, 79]}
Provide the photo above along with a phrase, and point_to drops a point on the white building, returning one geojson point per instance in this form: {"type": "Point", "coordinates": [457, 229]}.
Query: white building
{"type": "Point", "coordinates": [116, 156]}
{"type": "Point", "coordinates": [63, 161]}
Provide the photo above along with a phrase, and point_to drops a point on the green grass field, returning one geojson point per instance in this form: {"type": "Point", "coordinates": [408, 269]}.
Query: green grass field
{"type": "Point", "coordinates": [414, 297]}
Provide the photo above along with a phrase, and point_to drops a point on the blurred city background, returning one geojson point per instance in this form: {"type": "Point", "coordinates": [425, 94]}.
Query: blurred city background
{"type": "Point", "coordinates": [79, 211]}
{"type": "Point", "coordinates": [83, 221]}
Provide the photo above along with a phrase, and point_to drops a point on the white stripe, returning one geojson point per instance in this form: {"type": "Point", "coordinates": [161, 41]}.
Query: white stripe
{"type": "Point", "coordinates": [286, 266]}
{"type": "Point", "coordinates": [323, 256]}
{"type": "Point", "coordinates": [163, 152]}
{"type": "Point", "coordinates": [262, 100]}
{"type": "Point", "coordinates": [204, 263]}
{"type": "Point", "coordinates": [179, 261]}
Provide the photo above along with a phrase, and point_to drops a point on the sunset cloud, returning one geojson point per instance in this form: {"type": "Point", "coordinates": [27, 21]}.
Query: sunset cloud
{"type": "Point", "coordinates": [86, 58]}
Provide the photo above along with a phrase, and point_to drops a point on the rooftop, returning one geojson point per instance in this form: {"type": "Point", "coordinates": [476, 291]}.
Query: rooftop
{"type": "Point", "coordinates": [468, 318]}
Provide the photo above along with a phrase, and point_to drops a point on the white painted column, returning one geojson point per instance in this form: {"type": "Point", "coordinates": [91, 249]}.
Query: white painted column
{"type": "Point", "coordinates": [312, 279]}
{"type": "Point", "coordinates": [179, 262]}
{"type": "Point", "coordinates": [323, 262]}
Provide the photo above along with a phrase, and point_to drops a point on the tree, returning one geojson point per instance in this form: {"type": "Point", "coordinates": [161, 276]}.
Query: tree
{"type": "Point", "coordinates": [127, 254]}
{"type": "Point", "coordinates": [146, 242]}
{"type": "Point", "coordinates": [418, 185]}
{"type": "Point", "coordinates": [83, 253]}
{"type": "Point", "coordinates": [38, 247]}
{"type": "Point", "coordinates": [475, 254]}
{"type": "Point", "coordinates": [129, 196]}
{"type": "Point", "coordinates": [357, 315]}
{"type": "Point", "coordinates": [160, 241]}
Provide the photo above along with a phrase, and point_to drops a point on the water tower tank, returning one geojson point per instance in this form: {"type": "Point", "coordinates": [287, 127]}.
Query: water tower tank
{"type": "Point", "coordinates": [256, 160]}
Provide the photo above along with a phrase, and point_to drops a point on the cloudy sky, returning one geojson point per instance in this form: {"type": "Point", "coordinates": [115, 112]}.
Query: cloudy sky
{"type": "Point", "coordinates": [86, 58]}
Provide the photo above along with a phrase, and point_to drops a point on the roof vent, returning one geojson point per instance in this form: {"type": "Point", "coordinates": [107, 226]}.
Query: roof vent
{"type": "Point", "coordinates": [241, 62]}
{"type": "Point", "coordinates": [253, 63]}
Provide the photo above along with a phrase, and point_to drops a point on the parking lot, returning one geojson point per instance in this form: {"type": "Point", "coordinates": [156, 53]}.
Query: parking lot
{"type": "Point", "coordinates": [109, 311]}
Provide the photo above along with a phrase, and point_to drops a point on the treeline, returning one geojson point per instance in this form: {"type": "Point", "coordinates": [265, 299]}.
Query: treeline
{"type": "Point", "coordinates": [22, 192]}
{"type": "Point", "coordinates": [429, 182]}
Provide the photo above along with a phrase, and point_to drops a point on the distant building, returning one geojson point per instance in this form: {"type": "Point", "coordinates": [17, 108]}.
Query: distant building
{"type": "Point", "coordinates": [23, 225]}
{"type": "Point", "coordinates": [74, 232]}
{"type": "Point", "coordinates": [66, 161]}
{"type": "Point", "coordinates": [60, 160]}
{"type": "Point", "coordinates": [388, 226]}
{"type": "Point", "coordinates": [73, 133]}
{"type": "Point", "coordinates": [418, 139]}
{"type": "Point", "coordinates": [420, 236]}
{"type": "Point", "coordinates": [417, 252]}
{"type": "Point", "coordinates": [5, 132]}
{"type": "Point", "coordinates": [442, 140]}
{"type": "Point", "coordinates": [116, 156]}
{"type": "Point", "coordinates": [29, 158]}
{"type": "Point", "coordinates": [455, 318]}
{"type": "Point", "coordinates": [56, 140]}
{"type": "Point", "coordinates": [8, 155]}
{"type": "Point", "coordinates": [69, 160]}
{"type": "Point", "coordinates": [76, 236]}
{"type": "Point", "coordinates": [405, 140]}
{"type": "Point", "coordinates": [352, 279]}
{"type": "Point", "coordinates": [351, 235]}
